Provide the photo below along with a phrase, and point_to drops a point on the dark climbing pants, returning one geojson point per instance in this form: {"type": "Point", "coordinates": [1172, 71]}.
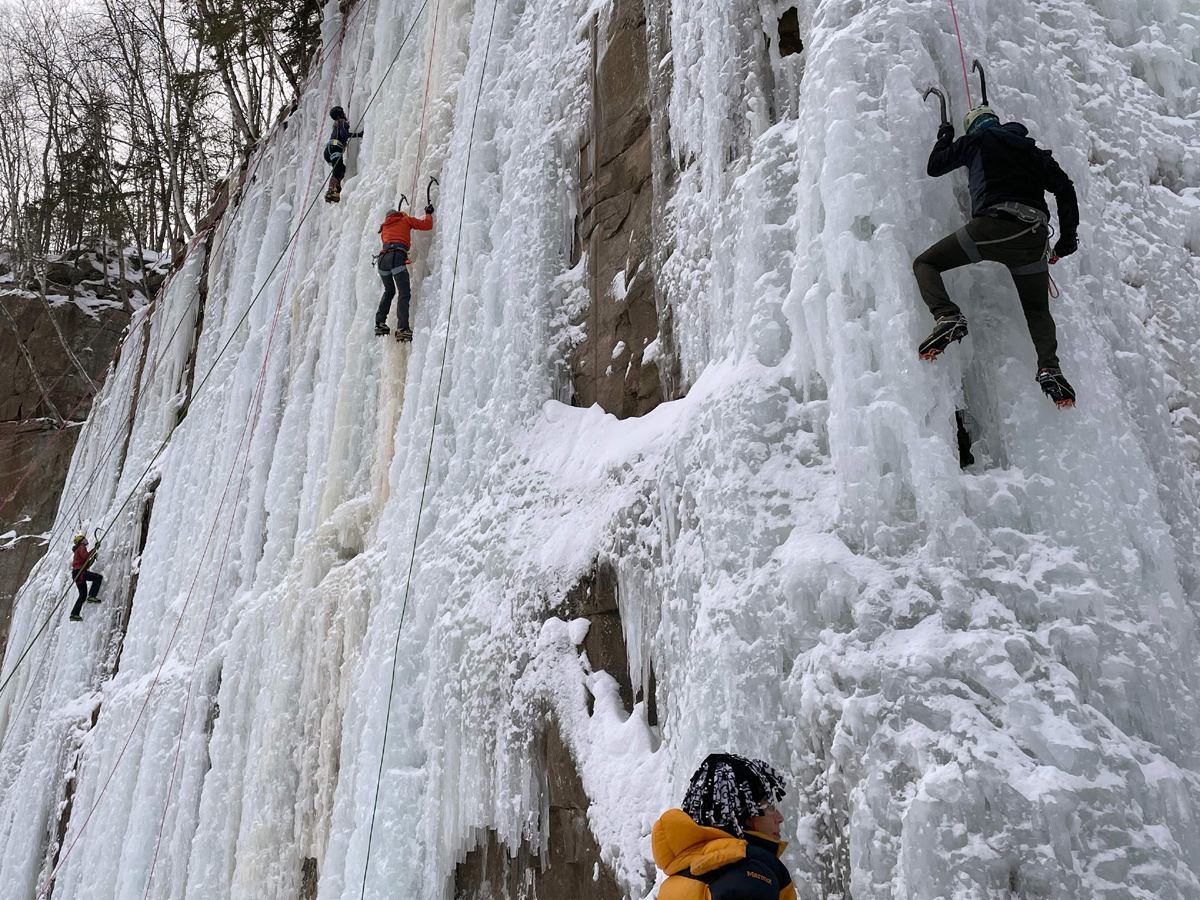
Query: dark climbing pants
{"type": "Point", "coordinates": [339, 170]}
{"type": "Point", "coordinates": [82, 582]}
{"type": "Point", "coordinates": [1019, 245]}
{"type": "Point", "coordinates": [393, 269]}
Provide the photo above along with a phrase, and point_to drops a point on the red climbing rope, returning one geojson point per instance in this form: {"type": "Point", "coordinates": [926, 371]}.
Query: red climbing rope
{"type": "Point", "coordinates": [13, 669]}
{"type": "Point", "coordinates": [256, 407]}
{"type": "Point", "coordinates": [961, 55]}
{"type": "Point", "coordinates": [162, 447]}
{"type": "Point", "coordinates": [82, 493]}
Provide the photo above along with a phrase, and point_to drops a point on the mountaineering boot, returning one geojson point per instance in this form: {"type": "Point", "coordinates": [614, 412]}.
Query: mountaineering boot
{"type": "Point", "coordinates": [93, 599]}
{"type": "Point", "coordinates": [382, 329]}
{"type": "Point", "coordinates": [1056, 387]}
{"type": "Point", "coordinates": [404, 335]}
{"type": "Point", "coordinates": [75, 617]}
{"type": "Point", "coordinates": [946, 331]}
{"type": "Point", "coordinates": [333, 195]}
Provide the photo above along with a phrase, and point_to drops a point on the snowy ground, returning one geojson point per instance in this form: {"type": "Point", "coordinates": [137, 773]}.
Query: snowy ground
{"type": "Point", "coordinates": [983, 684]}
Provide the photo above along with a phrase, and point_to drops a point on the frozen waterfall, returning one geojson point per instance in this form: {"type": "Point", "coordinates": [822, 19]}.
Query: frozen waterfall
{"type": "Point", "coordinates": [982, 683]}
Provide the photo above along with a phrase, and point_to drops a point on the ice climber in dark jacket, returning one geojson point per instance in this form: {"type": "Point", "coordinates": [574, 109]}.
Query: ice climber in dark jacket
{"type": "Point", "coordinates": [724, 844]}
{"type": "Point", "coordinates": [1009, 176]}
{"type": "Point", "coordinates": [335, 152]}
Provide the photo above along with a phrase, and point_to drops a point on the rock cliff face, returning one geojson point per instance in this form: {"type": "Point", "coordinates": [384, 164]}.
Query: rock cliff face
{"type": "Point", "coordinates": [56, 337]}
{"type": "Point", "coordinates": [616, 363]}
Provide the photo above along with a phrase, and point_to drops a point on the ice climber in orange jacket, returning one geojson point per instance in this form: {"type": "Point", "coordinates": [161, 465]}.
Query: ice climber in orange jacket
{"type": "Point", "coordinates": [724, 844]}
{"type": "Point", "coordinates": [396, 232]}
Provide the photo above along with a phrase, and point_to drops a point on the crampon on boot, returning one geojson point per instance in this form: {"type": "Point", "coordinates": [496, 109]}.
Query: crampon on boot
{"type": "Point", "coordinates": [404, 335]}
{"type": "Point", "coordinates": [1056, 387]}
{"type": "Point", "coordinates": [946, 331]}
{"type": "Point", "coordinates": [382, 329]}
{"type": "Point", "coordinates": [333, 195]}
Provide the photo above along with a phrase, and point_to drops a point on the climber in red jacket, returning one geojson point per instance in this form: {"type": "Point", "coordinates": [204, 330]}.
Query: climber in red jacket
{"type": "Point", "coordinates": [396, 232]}
{"type": "Point", "coordinates": [81, 558]}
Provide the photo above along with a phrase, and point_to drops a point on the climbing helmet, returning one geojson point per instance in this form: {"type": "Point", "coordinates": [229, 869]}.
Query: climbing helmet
{"type": "Point", "coordinates": [979, 117]}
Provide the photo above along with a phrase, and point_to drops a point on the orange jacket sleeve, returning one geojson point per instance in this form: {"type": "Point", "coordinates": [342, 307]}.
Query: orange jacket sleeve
{"type": "Point", "coordinates": [424, 224]}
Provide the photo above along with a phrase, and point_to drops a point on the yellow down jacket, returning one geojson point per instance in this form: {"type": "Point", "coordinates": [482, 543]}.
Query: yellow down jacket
{"type": "Point", "coordinates": [710, 864]}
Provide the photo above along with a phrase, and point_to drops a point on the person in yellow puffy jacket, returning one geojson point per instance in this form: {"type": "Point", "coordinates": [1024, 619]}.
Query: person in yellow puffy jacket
{"type": "Point", "coordinates": [724, 844]}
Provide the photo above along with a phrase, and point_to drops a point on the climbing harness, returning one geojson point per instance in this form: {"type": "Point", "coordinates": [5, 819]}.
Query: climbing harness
{"type": "Point", "coordinates": [334, 150]}
{"type": "Point", "coordinates": [429, 453]}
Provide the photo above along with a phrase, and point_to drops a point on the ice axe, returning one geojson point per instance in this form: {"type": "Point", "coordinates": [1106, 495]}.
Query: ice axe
{"type": "Point", "coordinates": [429, 190]}
{"type": "Point", "coordinates": [941, 99]}
{"type": "Point", "coordinates": [400, 205]}
{"type": "Point", "coordinates": [976, 67]}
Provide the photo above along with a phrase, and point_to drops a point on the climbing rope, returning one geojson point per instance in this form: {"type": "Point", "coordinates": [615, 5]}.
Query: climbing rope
{"type": "Point", "coordinates": [251, 425]}
{"type": "Point", "coordinates": [154, 459]}
{"type": "Point", "coordinates": [429, 453]}
{"type": "Point", "coordinates": [67, 419]}
{"type": "Point", "coordinates": [46, 394]}
{"type": "Point", "coordinates": [962, 55]}
{"type": "Point", "coordinates": [247, 429]}
{"type": "Point", "coordinates": [425, 102]}
{"type": "Point", "coordinates": [362, 35]}
{"type": "Point", "coordinates": [391, 65]}
{"type": "Point", "coordinates": [196, 392]}
{"type": "Point", "coordinates": [81, 494]}
{"type": "Point", "coordinates": [307, 211]}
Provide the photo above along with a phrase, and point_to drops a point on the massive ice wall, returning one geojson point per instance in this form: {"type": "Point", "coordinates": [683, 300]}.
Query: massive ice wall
{"type": "Point", "coordinates": [982, 683]}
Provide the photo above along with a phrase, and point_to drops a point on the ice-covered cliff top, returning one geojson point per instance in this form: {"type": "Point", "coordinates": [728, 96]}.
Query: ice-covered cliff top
{"type": "Point", "coordinates": [982, 683]}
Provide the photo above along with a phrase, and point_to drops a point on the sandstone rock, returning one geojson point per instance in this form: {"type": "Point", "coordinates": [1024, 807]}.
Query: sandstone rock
{"type": "Point", "coordinates": [25, 426]}
{"type": "Point", "coordinates": [615, 228]}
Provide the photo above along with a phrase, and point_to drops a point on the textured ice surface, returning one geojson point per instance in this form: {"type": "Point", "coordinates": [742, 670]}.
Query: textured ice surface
{"type": "Point", "coordinates": [983, 684]}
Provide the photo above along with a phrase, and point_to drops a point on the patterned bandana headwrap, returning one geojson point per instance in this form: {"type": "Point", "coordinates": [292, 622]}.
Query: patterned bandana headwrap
{"type": "Point", "coordinates": [728, 789]}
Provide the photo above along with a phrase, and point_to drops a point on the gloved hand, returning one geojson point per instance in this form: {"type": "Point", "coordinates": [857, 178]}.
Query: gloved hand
{"type": "Point", "coordinates": [429, 209]}
{"type": "Point", "coordinates": [1066, 245]}
{"type": "Point", "coordinates": [945, 133]}
{"type": "Point", "coordinates": [357, 134]}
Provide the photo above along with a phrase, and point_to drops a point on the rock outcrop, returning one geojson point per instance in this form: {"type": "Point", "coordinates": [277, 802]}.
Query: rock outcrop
{"type": "Point", "coordinates": [49, 369]}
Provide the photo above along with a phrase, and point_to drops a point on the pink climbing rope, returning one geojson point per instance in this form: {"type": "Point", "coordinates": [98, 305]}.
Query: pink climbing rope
{"type": "Point", "coordinates": [961, 55]}
{"type": "Point", "coordinates": [257, 405]}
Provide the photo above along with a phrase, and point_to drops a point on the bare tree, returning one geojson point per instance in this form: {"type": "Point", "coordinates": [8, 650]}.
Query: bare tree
{"type": "Point", "coordinates": [128, 113]}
